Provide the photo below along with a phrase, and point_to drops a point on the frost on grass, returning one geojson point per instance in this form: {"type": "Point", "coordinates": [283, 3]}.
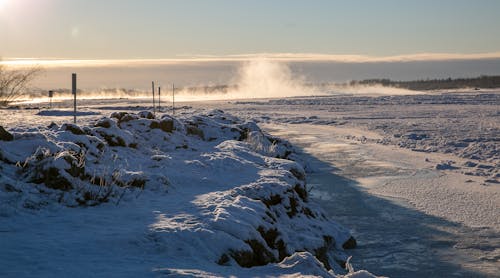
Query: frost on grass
{"type": "Point", "coordinates": [230, 193]}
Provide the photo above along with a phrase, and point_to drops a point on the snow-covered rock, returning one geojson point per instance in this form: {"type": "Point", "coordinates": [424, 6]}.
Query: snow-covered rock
{"type": "Point", "coordinates": [220, 187]}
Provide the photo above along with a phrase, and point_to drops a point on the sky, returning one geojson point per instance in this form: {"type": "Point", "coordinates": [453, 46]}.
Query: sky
{"type": "Point", "coordinates": [126, 43]}
{"type": "Point", "coordinates": [126, 29]}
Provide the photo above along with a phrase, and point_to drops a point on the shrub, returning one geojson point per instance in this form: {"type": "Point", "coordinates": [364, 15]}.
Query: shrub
{"type": "Point", "coordinates": [13, 82]}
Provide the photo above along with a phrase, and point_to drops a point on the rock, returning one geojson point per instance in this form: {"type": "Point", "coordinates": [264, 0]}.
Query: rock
{"type": "Point", "coordinates": [492, 181]}
{"type": "Point", "coordinates": [194, 130]}
{"type": "Point", "coordinates": [112, 139]}
{"type": "Point", "coordinates": [322, 253]}
{"type": "Point", "coordinates": [259, 255]}
{"type": "Point", "coordinates": [146, 115]}
{"type": "Point", "coordinates": [415, 136]}
{"type": "Point", "coordinates": [53, 179]}
{"type": "Point", "coordinates": [127, 118]}
{"type": "Point", "coordinates": [223, 260]}
{"type": "Point", "coordinates": [176, 124]}
{"type": "Point", "coordinates": [470, 164]}
{"type": "Point", "coordinates": [299, 174]}
{"type": "Point", "coordinates": [73, 129]}
{"type": "Point", "coordinates": [11, 188]}
{"type": "Point", "coordinates": [445, 166]}
{"type": "Point", "coordinates": [273, 200]}
{"type": "Point", "coordinates": [272, 241]}
{"type": "Point", "coordinates": [139, 183]}
{"type": "Point", "coordinates": [105, 123]}
{"type": "Point", "coordinates": [484, 166]}
{"type": "Point", "coordinates": [5, 135]}
{"type": "Point", "coordinates": [154, 124]}
{"type": "Point", "coordinates": [301, 191]}
{"type": "Point", "coordinates": [118, 115]}
{"type": "Point", "coordinates": [167, 125]}
{"type": "Point", "coordinates": [52, 125]}
{"type": "Point", "coordinates": [350, 243]}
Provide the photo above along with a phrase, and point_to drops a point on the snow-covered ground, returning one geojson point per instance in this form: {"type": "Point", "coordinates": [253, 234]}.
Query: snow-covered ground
{"type": "Point", "coordinates": [414, 178]}
{"type": "Point", "coordinates": [464, 124]}
{"type": "Point", "coordinates": [137, 195]}
{"type": "Point", "coordinates": [402, 165]}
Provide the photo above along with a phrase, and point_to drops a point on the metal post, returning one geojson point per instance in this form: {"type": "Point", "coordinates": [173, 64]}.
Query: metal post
{"type": "Point", "coordinates": [51, 94]}
{"type": "Point", "coordinates": [173, 99]}
{"type": "Point", "coordinates": [153, 89]}
{"type": "Point", "coordinates": [159, 98]}
{"type": "Point", "coordinates": [73, 90]}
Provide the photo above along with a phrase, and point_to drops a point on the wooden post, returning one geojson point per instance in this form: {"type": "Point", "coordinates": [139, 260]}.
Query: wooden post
{"type": "Point", "coordinates": [159, 98]}
{"type": "Point", "coordinates": [51, 94]}
{"type": "Point", "coordinates": [153, 89]}
{"type": "Point", "coordinates": [173, 99]}
{"type": "Point", "coordinates": [73, 90]}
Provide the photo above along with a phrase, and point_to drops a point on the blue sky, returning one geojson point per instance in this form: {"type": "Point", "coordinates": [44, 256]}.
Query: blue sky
{"type": "Point", "coordinates": [125, 29]}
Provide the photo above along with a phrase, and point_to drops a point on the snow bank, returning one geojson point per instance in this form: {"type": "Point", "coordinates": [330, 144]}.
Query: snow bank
{"type": "Point", "coordinates": [224, 195]}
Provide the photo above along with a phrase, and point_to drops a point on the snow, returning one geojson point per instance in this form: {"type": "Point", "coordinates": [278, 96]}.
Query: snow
{"type": "Point", "coordinates": [399, 203]}
{"type": "Point", "coordinates": [135, 194]}
{"type": "Point", "coordinates": [417, 220]}
{"type": "Point", "coordinates": [464, 124]}
{"type": "Point", "coordinates": [414, 178]}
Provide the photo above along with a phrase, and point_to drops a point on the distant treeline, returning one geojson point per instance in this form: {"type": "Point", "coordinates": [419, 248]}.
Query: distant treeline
{"type": "Point", "coordinates": [435, 84]}
{"type": "Point", "coordinates": [208, 89]}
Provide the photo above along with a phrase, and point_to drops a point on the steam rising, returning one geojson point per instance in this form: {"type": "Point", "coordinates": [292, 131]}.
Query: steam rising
{"type": "Point", "coordinates": [370, 90]}
{"type": "Point", "coordinates": [263, 78]}
{"type": "Point", "coordinates": [257, 78]}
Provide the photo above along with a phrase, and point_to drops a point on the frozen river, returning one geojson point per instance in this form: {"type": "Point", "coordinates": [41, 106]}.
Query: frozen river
{"type": "Point", "coordinates": [395, 239]}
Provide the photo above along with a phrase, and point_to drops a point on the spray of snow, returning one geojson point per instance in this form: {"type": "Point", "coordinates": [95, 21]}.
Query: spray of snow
{"type": "Point", "coordinates": [258, 78]}
{"type": "Point", "coordinates": [369, 90]}
{"type": "Point", "coordinates": [262, 78]}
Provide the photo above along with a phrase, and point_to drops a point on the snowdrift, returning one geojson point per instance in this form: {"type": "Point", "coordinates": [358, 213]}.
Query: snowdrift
{"type": "Point", "coordinates": [225, 196]}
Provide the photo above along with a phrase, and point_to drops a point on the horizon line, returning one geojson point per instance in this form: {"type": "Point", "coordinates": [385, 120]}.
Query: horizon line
{"type": "Point", "coordinates": [279, 57]}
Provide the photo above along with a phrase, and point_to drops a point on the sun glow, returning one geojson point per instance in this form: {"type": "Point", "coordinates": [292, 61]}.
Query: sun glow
{"type": "Point", "coordinates": [3, 3]}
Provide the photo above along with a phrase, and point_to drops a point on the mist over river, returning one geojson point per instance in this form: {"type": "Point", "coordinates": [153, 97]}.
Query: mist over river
{"type": "Point", "coordinates": [138, 74]}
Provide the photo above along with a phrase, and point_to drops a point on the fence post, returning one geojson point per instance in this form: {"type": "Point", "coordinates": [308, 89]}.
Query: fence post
{"type": "Point", "coordinates": [153, 89]}
{"type": "Point", "coordinates": [73, 90]}
{"type": "Point", "coordinates": [51, 94]}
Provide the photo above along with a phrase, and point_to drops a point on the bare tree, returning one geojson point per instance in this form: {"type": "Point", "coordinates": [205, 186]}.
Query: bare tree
{"type": "Point", "coordinates": [14, 81]}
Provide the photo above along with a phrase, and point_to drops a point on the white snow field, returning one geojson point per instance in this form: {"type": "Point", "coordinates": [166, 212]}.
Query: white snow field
{"type": "Point", "coordinates": [414, 179]}
{"type": "Point", "coordinates": [133, 195]}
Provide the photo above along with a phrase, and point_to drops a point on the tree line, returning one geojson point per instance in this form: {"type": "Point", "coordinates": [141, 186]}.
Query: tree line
{"type": "Point", "coordinates": [483, 81]}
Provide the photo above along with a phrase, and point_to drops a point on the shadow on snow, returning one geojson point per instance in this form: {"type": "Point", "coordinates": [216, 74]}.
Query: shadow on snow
{"type": "Point", "coordinates": [393, 239]}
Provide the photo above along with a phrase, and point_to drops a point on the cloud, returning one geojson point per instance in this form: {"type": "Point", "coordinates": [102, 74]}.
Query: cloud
{"type": "Point", "coordinates": [284, 57]}
{"type": "Point", "coordinates": [371, 59]}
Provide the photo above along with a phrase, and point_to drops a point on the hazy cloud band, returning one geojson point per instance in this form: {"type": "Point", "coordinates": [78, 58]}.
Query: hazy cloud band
{"type": "Point", "coordinates": [284, 57]}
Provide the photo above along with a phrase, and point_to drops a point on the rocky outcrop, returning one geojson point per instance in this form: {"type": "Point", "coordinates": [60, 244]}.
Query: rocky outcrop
{"type": "Point", "coordinates": [5, 135]}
